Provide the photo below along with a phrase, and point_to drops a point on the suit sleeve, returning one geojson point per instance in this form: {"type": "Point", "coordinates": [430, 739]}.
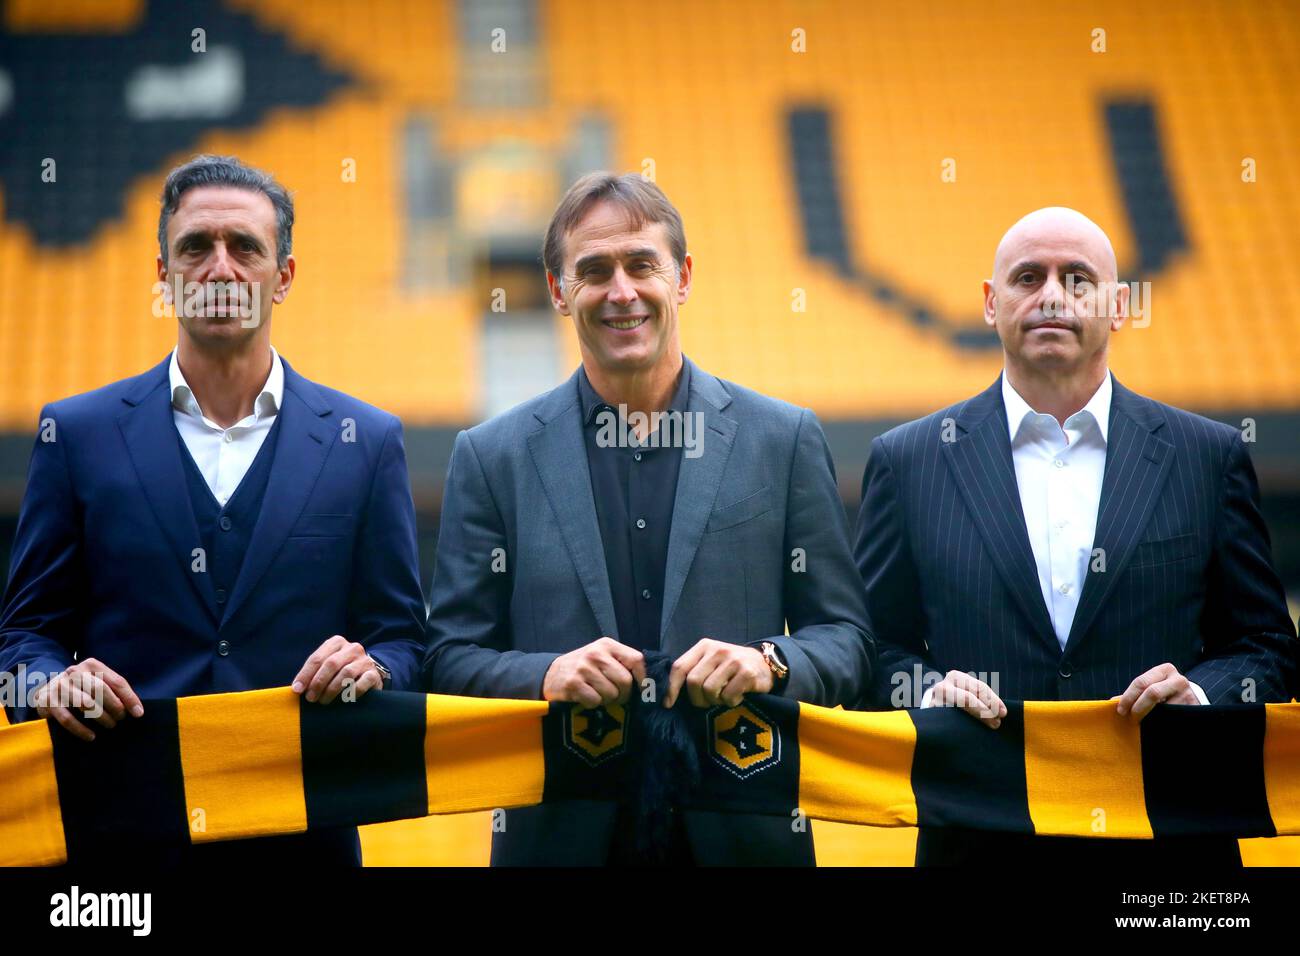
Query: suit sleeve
{"type": "Point", "coordinates": [829, 650]}
{"type": "Point", "coordinates": [889, 577]}
{"type": "Point", "coordinates": [1246, 629]}
{"type": "Point", "coordinates": [386, 610]}
{"type": "Point", "coordinates": [41, 621]}
{"type": "Point", "coordinates": [469, 633]}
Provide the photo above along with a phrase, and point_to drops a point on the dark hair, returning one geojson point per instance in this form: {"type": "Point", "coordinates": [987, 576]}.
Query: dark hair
{"type": "Point", "coordinates": [206, 170]}
{"type": "Point", "coordinates": [640, 198]}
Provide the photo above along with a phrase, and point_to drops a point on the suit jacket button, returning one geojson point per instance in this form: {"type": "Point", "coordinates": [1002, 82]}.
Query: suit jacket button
{"type": "Point", "coordinates": [1064, 671]}
{"type": "Point", "coordinates": [223, 648]}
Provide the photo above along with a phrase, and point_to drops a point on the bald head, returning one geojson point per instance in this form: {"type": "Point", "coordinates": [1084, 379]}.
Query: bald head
{"type": "Point", "coordinates": [1055, 297]}
{"type": "Point", "coordinates": [1056, 228]}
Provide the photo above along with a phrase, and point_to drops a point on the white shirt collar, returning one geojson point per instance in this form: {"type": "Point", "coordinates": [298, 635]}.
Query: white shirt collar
{"type": "Point", "coordinates": [1098, 408]}
{"type": "Point", "coordinates": [267, 403]}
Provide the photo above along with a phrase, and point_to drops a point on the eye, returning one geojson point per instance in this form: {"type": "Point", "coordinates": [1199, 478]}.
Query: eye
{"type": "Point", "coordinates": [248, 245]}
{"type": "Point", "coordinates": [1025, 275]}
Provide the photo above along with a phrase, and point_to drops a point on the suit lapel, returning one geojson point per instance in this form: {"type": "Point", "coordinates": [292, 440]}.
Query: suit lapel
{"type": "Point", "coordinates": [154, 446]}
{"type": "Point", "coordinates": [560, 455]}
{"type": "Point", "coordinates": [1137, 465]}
{"type": "Point", "coordinates": [985, 474]}
{"type": "Point", "coordinates": [300, 451]}
{"type": "Point", "coordinates": [698, 481]}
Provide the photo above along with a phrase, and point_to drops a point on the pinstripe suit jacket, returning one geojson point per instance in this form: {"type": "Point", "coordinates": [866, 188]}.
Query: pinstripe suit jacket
{"type": "Point", "coordinates": [1187, 578]}
{"type": "Point", "coordinates": [1187, 575]}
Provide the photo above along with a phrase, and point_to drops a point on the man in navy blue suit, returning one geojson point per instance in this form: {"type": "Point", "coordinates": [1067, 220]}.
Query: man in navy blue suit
{"type": "Point", "coordinates": [218, 523]}
{"type": "Point", "coordinates": [1060, 537]}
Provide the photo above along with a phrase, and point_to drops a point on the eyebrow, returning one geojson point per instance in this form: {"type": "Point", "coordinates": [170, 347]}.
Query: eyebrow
{"type": "Point", "coordinates": [237, 236]}
{"type": "Point", "coordinates": [1074, 265]}
{"type": "Point", "coordinates": [643, 252]}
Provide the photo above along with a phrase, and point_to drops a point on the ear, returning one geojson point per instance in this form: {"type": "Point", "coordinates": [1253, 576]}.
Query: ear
{"type": "Point", "coordinates": [162, 277]}
{"type": "Point", "coordinates": [284, 279]}
{"type": "Point", "coordinates": [684, 280]}
{"type": "Point", "coordinates": [1122, 292]}
{"type": "Point", "coordinates": [990, 304]}
{"type": "Point", "coordinates": [557, 296]}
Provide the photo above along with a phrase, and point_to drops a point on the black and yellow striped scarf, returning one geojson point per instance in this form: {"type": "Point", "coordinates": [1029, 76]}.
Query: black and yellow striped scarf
{"type": "Point", "coordinates": [258, 763]}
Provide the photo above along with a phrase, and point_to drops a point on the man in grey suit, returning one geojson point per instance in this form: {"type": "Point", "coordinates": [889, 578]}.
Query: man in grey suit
{"type": "Point", "coordinates": [642, 505]}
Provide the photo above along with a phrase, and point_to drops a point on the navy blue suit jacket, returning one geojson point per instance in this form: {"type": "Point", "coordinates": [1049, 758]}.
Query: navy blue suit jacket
{"type": "Point", "coordinates": [1188, 578]}
{"type": "Point", "coordinates": [104, 556]}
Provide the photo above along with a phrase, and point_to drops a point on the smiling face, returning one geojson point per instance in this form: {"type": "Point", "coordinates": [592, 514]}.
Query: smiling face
{"type": "Point", "coordinates": [224, 234]}
{"type": "Point", "coordinates": [622, 290]}
{"type": "Point", "coordinates": [1053, 298]}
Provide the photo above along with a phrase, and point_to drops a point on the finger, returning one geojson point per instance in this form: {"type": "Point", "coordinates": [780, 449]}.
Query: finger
{"type": "Point", "coordinates": [327, 671]}
{"type": "Point", "coordinates": [695, 683]}
{"type": "Point", "coordinates": [602, 685]}
{"type": "Point", "coordinates": [993, 704]}
{"type": "Point", "coordinates": [310, 666]}
{"type": "Point", "coordinates": [720, 678]}
{"type": "Point", "coordinates": [971, 704]}
{"type": "Point", "coordinates": [1139, 686]}
{"type": "Point", "coordinates": [82, 700]}
{"type": "Point", "coordinates": [102, 699]}
{"type": "Point", "coordinates": [369, 681]}
{"type": "Point", "coordinates": [681, 667]}
{"type": "Point", "coordinates": [351, 671]}
{"type": "Point", "coordinates": [122, 689]}
{"type": "Point", "coordinates": [618, 675]}
{"type": "Point", "coordinates": [739, 685]}
{"type": "Point", "coordinates": [630, 658]}
{"type": "Point", "coordinates": [580, 692]}
{"type": "Point", "coordinates": [1157, 693]}
{"type": "Point", "coordinates": [71, 724]}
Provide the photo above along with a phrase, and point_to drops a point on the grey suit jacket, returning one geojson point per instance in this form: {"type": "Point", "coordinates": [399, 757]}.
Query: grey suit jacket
{"type": "Point", "coordinates": [759, 540]}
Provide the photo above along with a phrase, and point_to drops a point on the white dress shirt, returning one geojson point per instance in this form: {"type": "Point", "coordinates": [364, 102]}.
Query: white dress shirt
{"type": "Point", "coordinates": [224, 455]}
{"type": "Point", "coordinates": [1059, 471]}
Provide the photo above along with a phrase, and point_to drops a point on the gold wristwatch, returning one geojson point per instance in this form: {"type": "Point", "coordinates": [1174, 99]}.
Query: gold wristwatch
{"type": "Point", "coordinates": [773, 657]}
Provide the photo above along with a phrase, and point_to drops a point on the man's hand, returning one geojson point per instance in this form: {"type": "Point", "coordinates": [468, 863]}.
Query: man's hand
{"type": "Point", "coordinates": [1161, 684]}
{"type": "Point", "coordinates": [716, 672]}
{"type": "Point", "coordinates": [91, 688]}
{"type": "Point", "coordinates": [959, 689]}
{"type": "Point", "coordinates": [602, 672]}
{"type": "Point", "coordinates": [337, 660]}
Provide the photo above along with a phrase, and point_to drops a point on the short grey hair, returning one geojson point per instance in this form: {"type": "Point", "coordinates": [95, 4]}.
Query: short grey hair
{"type": "Point", "coordinates": [642, 200]}
{"type": "Point", "coordinates": [208, 170]}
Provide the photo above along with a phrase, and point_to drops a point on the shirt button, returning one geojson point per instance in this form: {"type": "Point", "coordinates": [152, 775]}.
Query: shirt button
{"type": "Point", "coordinates": [636, 457]}
{"type": "Point", "coordinates": [221, 595]}
{"type": "Point", "coordinates": [223, 648]}
{"type": "Point", "coordinates": [646, 594]}
{"type": "Point", "coordinates": [640, 522]}
{"type": "Point", "coordinates": [1064, 589]}
{"type": "Point", "coordinates": [228, 437]}
{"type": "Point", "coordinates": [226, 523]}
{"type": "Point", "coordinates": [1058, 463]}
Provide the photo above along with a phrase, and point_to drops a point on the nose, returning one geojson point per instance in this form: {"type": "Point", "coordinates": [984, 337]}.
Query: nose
{"type": "Point", "coordinates": [220, 266]}
{"type": "Point", "coordinates": [1053, 300]}
{"type": "Point", "coordinates": [621, 290]}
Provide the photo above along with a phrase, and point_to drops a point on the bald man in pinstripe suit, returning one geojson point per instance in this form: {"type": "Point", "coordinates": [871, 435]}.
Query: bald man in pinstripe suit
{"type": "Point", "coordinates": [1060, 537]}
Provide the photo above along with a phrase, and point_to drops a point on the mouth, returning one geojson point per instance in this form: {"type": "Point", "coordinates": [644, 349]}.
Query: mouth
{"type": "Point", "coordinates": [1052, 326]}
{"type": "Point", "coordinates": [626, 325]}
